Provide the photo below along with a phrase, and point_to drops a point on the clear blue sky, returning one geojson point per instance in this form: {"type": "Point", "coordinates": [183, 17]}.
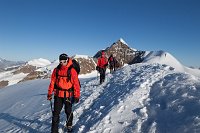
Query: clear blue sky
{"type": "Point", "coordinates": [45, 28]}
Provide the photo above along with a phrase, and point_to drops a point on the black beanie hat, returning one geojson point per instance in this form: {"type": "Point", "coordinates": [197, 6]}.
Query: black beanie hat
{"type": "Point", "coordinates": [63, 57]}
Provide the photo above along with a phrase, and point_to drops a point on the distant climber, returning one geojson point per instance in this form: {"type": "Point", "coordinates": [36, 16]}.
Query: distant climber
{"type": "Point", "coordinates": [101, 66]}
{"type": "Point", "coordinates": [112, 63]}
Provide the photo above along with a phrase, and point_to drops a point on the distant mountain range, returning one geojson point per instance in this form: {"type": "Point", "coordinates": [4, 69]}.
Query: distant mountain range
{"type": "Point", "coordinates": [14, 72]}
{"type": "Point", "coordinates": [5, 64]}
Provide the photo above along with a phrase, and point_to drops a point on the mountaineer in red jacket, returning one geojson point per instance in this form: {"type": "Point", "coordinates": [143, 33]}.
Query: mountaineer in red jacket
{"type": "Point", "coordinates": [101, 66]}
{"type": "Point", "coordinates": [66, 91]}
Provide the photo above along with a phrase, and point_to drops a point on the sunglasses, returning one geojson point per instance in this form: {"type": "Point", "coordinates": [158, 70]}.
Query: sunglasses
{"type": "Point", "coordinates": [63, 61]}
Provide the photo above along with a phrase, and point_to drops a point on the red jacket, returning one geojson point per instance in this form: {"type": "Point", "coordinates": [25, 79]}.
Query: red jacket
{"type": "Point", "coordinates": [102, 62]}
{"type": "Point", "coordinates": [63, 82]}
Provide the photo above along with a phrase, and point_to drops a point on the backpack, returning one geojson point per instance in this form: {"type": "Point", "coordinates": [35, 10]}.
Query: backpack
{"type": "Point", "coordinates": [74, 65]}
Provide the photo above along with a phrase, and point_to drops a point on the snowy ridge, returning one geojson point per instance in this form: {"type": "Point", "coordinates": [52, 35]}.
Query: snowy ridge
{"type": "Point", "coordinates": [134, 99]}
{"type": "Point", "coordinates": [122, 40]}
{"type": "Point", "coordinates": [39, 62]}
{"type": "Point", "coordinates": [121, 95]}
{"type": "Point", "coordinates": [12, 67]}
{"type": "Point", "coordinates": [162, 57]}
{"type": "Point", "coordinates": [134, 49]}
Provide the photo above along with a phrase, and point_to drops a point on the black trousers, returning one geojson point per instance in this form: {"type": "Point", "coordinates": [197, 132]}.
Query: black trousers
{"type": "Point", "coordinates": [112, 66]}
{"type": "Point", "coordinates": [58, 105]}
{"type": "Point", "coordinates": [102, 75]}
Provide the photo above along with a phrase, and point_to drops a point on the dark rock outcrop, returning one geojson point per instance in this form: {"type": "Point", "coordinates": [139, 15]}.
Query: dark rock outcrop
{"type": "Point", "coordinates": [3, 83]}
{"type": "Point", "coordinates": [25, 69]}
{"type": "Point", "coordinates": [87, 65]}
{"type": "Point", "coordinates": [34, 75]}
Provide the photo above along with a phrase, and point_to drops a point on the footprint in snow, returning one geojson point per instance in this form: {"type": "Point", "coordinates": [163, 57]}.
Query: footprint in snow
{"type": "Point", "coordinates": [107, 119]}
{"type": "Point", "coordinates": [121, 109]}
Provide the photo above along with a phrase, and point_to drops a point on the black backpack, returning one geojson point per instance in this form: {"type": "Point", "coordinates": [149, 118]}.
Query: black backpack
{"type": "Point", "coordinates": [74, 65]}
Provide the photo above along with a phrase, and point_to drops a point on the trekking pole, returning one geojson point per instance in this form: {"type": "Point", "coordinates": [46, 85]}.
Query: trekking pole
{"type": "Point", "coordinates": [65, 126]}
{"type": "Point", "coordinates": [51, 106]}
{"type": "Point", "coordinates": [97, 75]}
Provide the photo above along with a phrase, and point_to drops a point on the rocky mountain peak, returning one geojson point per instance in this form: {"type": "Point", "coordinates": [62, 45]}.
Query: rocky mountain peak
{"type": "Point", "coordinates": [121, 51]}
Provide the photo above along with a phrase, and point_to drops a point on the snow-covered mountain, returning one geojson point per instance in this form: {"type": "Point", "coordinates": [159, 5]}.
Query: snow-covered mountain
{"type": "Point", "coordinates": [39, 62]}
{"type": "Point", "coordinates": [140, 98]}
{"type": "Point", "coordinates": [23, 72]}
{"type": "Point", "coordinates": [49, 68]}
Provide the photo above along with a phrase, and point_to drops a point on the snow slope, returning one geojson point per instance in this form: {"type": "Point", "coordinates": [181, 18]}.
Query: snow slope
{"type": "Point", "coordinates": [174, 107]}
{"type": "Point", "coordinates": [138, 98]}
{"type": "Point", "coordinates": [162, 57]}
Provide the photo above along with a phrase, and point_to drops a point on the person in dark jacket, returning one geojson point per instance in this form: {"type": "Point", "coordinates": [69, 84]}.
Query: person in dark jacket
{"type": "Point", "coordinates": [101, 66]}
{"type": "Point", "coordinates": [112, 63]}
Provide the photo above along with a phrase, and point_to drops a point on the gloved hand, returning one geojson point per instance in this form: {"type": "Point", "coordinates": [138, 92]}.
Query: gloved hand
{"type": "Point", "coordinates": [76, 100]}
{"type": "Point", "coordinates": [49, 97]}
{"type": "Point", "coordinates": [106, 65]}
{"type": "Point", "coordinates": [97, 68]}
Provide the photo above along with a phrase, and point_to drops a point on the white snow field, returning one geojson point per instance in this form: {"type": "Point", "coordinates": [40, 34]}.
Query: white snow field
{"type": "Point", "coordinates": [11, 78]}
{"type": "Point", "coordinates": [140, 98]}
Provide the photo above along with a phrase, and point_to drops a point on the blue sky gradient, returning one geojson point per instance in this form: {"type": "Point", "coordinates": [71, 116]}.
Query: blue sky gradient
{"type": "Point", "coordinates": [45, 28]}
